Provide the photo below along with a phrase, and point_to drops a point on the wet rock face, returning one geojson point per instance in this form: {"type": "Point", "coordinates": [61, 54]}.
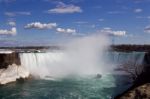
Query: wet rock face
{"type": "Point", "coordinates": [9, 59]}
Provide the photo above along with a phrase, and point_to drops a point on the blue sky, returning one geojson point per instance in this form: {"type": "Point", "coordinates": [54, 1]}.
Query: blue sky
{"type": "Point", "coordinates": [53, 21]}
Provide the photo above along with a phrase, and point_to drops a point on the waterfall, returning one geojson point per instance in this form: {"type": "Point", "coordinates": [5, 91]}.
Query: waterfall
{"type": "Point", "coordinates": [127, 62]}
{"type": "Point", "coordinates": [56, 65]}
{"type": "Point", "coordinates": [60, 64]}
{"type": "Point", "coordinates": [42, 64]}
{"type": "Point", "coordinates": [123, 57]}
{"type": "Point", "coordinates": [80, 56]}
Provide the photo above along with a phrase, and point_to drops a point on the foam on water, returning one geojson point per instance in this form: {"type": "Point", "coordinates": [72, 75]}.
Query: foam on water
{"type": "Point", "coordinates": [12, 73]}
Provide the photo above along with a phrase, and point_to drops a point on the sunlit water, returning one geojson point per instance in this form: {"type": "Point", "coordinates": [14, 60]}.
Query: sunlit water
{"type": "Point", "coordinates": [68, 88]}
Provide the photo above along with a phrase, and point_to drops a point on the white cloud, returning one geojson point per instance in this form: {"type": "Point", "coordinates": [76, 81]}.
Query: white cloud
{"type": "Point", "coordinates": [143, 17]}
{"type": "Point", "coordinates": [63, 8]}
{"type": "Point", "coordinates": [109, 31]}
{"type": "Point", "coordinates": [38, 25]}
{"type": "Point", "coordinates": [148, 17]}
{"type": "Point", "coordinates": [93, 26]}
{"type": "Point", "coordinates": [100, 20]}
{"type": "Point", "coordinates": [81, 22]}
{"type": "Point", "coordinates": [139, 1]}
{"type": "Point", "coordinates": [12, 14]}
{"type": "Point", "coordinates": [12, 23]}
{"type": "Point", "coordinates": [140, 17]}
{"type": "Point", "coordinates": [13, 31]}
{"type": "Point", "coordinates": [116, 12]}
{"type": "Point", "coordinates": [69, 31]}
{"type": "Point", "coordinates": [7, 1]}
{"type": "Point", "coordinates": [23, 13]}
{"type": "Point", "coordinates": [138, 10]}
{"type": "Point", "coordinates": [98, 7]}
{"type": "Point", "coordinates": [147, 29]}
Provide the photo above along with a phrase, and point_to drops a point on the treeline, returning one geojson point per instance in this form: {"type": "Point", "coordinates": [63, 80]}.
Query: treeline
{"type": "Point", "coordinates": [127, 48]}
{"type": "Point", "coordinates": [31, 47]}
{"type": "Point", "coordinates": [28, 47]}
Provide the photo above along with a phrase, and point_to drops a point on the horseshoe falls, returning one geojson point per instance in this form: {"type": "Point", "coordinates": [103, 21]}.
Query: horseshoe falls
{"type": "Point", "coordinates": [84, 69]}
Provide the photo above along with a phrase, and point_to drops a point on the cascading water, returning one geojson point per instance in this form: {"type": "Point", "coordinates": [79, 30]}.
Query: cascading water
{"type": "Point", "coordinates": [42, 64]}
{"type": "Point", "coordinates": [59, 64]}
{"type": "Point", "coordinates": [123, 57]}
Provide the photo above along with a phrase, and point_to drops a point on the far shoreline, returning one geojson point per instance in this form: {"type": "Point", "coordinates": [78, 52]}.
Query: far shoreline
{"type": "Point", "coordinates": [119, 48]}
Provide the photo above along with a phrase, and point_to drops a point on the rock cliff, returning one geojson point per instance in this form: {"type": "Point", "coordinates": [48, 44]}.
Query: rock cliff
{"type": "Point", "coordinates": [7, 59]}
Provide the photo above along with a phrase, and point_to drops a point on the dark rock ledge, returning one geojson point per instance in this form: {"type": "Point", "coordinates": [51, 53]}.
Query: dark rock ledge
{"type": "Point", "coordinates": [7, 59]}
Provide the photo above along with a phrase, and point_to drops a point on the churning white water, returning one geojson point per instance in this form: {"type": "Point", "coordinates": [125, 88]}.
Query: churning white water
{"type": "Point", "coordinates": [82, 55]}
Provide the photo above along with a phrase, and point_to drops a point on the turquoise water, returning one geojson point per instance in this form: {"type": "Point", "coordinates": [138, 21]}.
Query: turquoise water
{"type": "Point", "coordinates": [69, 88]}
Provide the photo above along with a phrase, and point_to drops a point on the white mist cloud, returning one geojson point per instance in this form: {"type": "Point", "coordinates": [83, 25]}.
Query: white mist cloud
{"type": "Point", "coordinates": [13, 31]}
{"type": "Point", "coordinates": [109, 31]}
{"type": "Point", "coordinates": [85, 54]}
{"type": "Point", "coordinates": [63, 8]}
{"type": "Point", "coordinates": [38, 25]}
{"type": "Point", "coordinates": [147, 29]}
{"type": "Point", "coordinates": [70, 31]}
{"type": "Point", "coordinates": [80, 56]}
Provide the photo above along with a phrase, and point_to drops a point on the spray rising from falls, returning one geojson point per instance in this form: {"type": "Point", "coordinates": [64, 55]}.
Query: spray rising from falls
{"type": "Point", "coordinates": [81, 56]}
